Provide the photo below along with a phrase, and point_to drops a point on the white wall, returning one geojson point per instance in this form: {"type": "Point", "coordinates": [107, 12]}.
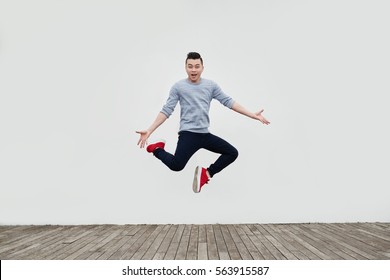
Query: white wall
{"type": "Point", "coordinates": [77, 78]}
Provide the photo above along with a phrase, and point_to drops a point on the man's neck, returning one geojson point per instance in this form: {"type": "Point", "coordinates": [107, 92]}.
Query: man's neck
{"type": "Point", "coordinates": [194, 83]}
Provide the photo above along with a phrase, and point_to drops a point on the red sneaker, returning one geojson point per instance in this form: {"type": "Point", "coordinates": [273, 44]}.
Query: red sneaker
{"type": "Point", "coordinates": [200, 179]}
{"type": "Point", "coordinates": [155, 145]}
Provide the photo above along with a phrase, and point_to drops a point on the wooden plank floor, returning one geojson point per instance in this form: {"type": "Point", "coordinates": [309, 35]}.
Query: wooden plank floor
{"type": "Point", "coordinates": [353, 241]}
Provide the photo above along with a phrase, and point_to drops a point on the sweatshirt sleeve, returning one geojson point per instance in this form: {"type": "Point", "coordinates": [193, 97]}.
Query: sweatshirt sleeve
{"type": "Point", "coordinates": [222, 97]}
{"type": "Point", "coordinates": [171, 103]}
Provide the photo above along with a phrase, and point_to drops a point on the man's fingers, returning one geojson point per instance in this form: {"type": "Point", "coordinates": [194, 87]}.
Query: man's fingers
{"type": "Point", "coordinates": [142, 143]}
{"type": "Point", "coordinates": [263, 120]}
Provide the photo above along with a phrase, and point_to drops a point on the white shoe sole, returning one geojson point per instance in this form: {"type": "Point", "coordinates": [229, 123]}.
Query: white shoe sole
{"type": "Point", "coordinates": [196, 183]}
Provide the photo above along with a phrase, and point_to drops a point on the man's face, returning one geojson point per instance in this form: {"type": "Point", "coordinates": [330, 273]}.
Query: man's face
{"type": "Point", "coordinates": [194, 69]}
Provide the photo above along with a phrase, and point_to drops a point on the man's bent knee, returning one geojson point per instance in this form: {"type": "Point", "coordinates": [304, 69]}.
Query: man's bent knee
{"type": "Point", "coordinates": [177, 167]}
{"type": "Point", "coordinates": [234, 154]}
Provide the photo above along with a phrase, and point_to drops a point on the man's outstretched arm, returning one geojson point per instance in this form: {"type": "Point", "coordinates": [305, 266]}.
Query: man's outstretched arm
{"type": "Point", "coordinates": [242, 110]}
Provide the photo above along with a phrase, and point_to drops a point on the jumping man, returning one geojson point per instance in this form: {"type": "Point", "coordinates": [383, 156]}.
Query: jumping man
{"type": "Point", "coordinates": [195, 95]}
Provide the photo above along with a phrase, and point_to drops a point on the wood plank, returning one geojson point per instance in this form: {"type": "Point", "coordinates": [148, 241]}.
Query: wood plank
{"type": "Point", "coordinates": [150, 229]}
{"type": "Point", "coordinates": [183, 245]}
{"type": "Point", "coordinates": [313, 244]}
{"type": "Point", "coordinates": [231, 246]}
{"type": "Point", "coordinates": [298, 250]}
{"type": "Point", "coordinates": [202, 243]}
{"type": "Point", "coordinates": [242, 250]}
{"type": "Point", "coordinates": [345, 242]}
{"type": "Point", "coordinates": [376, 242]}
{"type": "Point", "coordinates": [137, 240]}
{"type": "Point", "coordinates": [46, 243]}
{"type": "Point", "coordinates": [4, 229]}
{"type": "Point", "coordinates": [220, 242]}
{"type": "Point", "coordinates": [24, 239]}
{"type": "Point", "coordinates": [192, 252]}
{"type": "Point", "coordinates": [377, 231]}
{"type": "Point", "coordinates": [116, 243]}
{"type": "Point", "coordinates": [152, 251]}
{"type": "Point", "coordinates": [372, 229]}
{"type": "Point", "coordinates": [138, 231]}
{"type": "Point", "coordinates": [255, 255]}
{"type": "Point", "coordinates": [93, 250]}
{"type": "Point", "coordinates": [266, 238]}
{"type": "Point", "coordinates": [85, 240]}
{"type": "Point", "coordinates": [174, 245]}
{"type": "Point", "coordinates": [291, 247]}
{"type": "Point", "coordinates": [21, 232]}
{"type": "Point", "coordinates": [147, 243]}
{"type": "Point", "coordinates": [33, 237]}
{"type": "Point", "coordinates": [279, 243]}
{"type": "Point", "coordinates": [259, 241]}
{"type": "Point", "coordinates": [334, 250]}
{"type": "Point", "coordinates": [162, 250]}
{"type": "Point", "coordinates": [369, 251]}
{"type": "Point", "coordinates": [325, 235]}
{"type": "Point", "coordinates": [212, 250]}
{"type": "Point", "coordinates": [13, 234]}
{"type": "Point", "coordinates": [90, 248]}
{"type": "Point", "coordinates": [53, 244]}
{"type": "Point", "coordinates": [34, 244]}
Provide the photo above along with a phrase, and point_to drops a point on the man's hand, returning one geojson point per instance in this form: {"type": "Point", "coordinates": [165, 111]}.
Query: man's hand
{"type": "Point", "coordinates": [259, 117]}
{"type": "Point", "coordinates": [144, 135]}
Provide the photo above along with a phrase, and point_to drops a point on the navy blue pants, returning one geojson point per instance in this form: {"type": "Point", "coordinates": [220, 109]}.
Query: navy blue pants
{"type": "Point", "coordinates": [189, 143]}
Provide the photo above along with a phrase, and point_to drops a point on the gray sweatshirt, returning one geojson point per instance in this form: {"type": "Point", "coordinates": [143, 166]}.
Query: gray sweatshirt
{"type": "Point", "coordinates": [195, 99]}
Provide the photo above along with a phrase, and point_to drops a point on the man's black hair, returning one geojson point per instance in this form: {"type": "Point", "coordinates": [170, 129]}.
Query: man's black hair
{"type": "Point", "coordinates": [194, 55]}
